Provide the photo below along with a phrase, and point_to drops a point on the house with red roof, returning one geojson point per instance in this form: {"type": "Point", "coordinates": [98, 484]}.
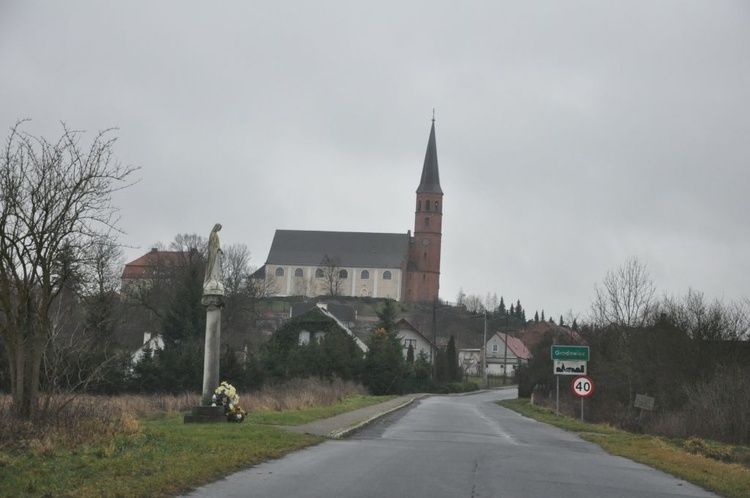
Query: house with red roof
{"type": "Point", "coordinates": [504, 353]}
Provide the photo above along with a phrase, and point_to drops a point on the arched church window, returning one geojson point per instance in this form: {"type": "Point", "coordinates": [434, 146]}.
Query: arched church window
{"type": "Point", "coordinates": [298, 273]}
{"type": "Point", "coordinates": [365, 275]}
{"type": "Point", "coordinates": [424, 256]}
{"type": "Point", "coordinates": [419, 205]}
{"type": "Point", "coordinates": [426, 222]}
{"type": "Point", "coordinates": [386, 275]}
{"type": "Point", "coordinates": [437, 206]}
{"type": "Point", "coordinates": [318, 273]}
{"type": "Point", "coordinates": [279, 272]}
{"type": "Point", "coordinates": [343, 274]}
{"type": "Point", "coordinates": [427, 204]}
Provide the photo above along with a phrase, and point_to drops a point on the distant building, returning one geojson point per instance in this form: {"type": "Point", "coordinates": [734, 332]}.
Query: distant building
{"type": "Point", "coordinates": [399, 266]}
{"type": "Point", "coordinates": [313, 332]}
{"type": "Point", "coordinates": [504, 353]}
{"type": "Point", "coordinates": [151, 344]}
{"type": "Point", "coordinates": [153, 266]}
{"type": "Point", "coordinates": [470, 361]}
{"type": "Point", "coordinates": [408, 334]}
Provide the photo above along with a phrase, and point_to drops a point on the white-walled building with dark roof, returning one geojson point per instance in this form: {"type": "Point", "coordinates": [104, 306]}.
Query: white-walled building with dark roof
{"type": "Point", "coordinates": [399, 266]}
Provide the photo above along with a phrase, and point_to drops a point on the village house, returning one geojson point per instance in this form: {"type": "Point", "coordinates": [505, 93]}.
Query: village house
{"type": "Point", "coordinates": [409, 335]}
{"type": "Point", "coordinates": [504, 353]}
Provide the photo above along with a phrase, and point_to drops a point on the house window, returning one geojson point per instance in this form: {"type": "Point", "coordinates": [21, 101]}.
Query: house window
{"type": "Point", "coordinates": [410, 342]}
{"type": "Point", "coordinates": [427, 204]}
{"type": "Point", "coordinates": [319, 273]}
{"type": "Point", "coordinates": [343, 274]}
{"type": "Point", "coordinates": [279, 272]}
{"type": "Point", "coordinates": [386, 275]}
{"type": "Point", "coordinates": [365, 275]}
{"type": "Point", "coordinates": [494, 348]}
{"type": "Point", "coordinates": [304, 337]}
{"type": "Point", "coordinates": [298, 273]}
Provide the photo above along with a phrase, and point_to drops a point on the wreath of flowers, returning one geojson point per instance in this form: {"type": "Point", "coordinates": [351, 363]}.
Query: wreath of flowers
{"type": "Point", "coordinates": [226, 395]}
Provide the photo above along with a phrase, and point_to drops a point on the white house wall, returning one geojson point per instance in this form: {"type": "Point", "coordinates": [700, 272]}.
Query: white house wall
{"type": "Point", "coordinates": [421, 345]}
{"type": "Point", "coordinates": [502, 354]}
{"type": "Point", "coordinates": [353, 285]}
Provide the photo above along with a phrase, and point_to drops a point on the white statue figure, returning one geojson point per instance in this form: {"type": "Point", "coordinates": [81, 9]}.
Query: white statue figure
{"type": "Point", "coordinates": [212, 282]}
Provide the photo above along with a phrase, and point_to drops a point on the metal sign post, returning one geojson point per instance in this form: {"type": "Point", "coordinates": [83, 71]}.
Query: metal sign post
{"type": "Point", "coordinates": [582, 387]}
{"type": "Point", "coordinates": [568, 360]}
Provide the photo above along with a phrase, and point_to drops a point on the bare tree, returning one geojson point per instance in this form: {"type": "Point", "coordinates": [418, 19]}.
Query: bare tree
{"type": "Point", "coordinates": [55, 199]}
{"type": "Point", "coordinates": [235, 267]}
{"type": "Point", "coordinates": [460, 297]}
{"type": "Point", "coordinates": [626, 296]}
{"type": "Point", "coordinates": [491, 302]}
{"type": "Point", "coordinates": [188, 243]}
{"type": "Point", "coordinates": [474, 303]}
{"type": "Point", "coordinates": [331, 275]}
{"type": "Point", "coordinates": [703, 320]}
{"type": "Point", "coordinates": [261, 286]}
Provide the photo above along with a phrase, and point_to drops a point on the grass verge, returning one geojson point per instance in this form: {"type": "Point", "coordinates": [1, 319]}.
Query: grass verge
{"type": "Point", "coordinates": [683, 459]}
{"type": "Point", "coordinates": [299, 417]}
{"type": "Point", "coordinates": [160, 456]}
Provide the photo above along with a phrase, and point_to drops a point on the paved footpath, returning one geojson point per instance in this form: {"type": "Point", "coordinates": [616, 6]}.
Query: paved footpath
{"type": "Point", "coordinates": [344, 424]}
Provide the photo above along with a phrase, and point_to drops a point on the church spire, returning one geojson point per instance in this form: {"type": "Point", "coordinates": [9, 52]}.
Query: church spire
{"type": "Point", "coordinates": [430, 181]}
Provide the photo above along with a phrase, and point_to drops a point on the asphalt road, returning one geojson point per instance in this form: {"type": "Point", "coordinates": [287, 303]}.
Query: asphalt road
{"type": "Point", "coordinates": [453, 447]}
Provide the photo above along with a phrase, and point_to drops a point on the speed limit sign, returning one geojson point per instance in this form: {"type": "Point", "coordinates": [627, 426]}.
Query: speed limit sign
{"type": "Point", "coordinates": [583, 386]}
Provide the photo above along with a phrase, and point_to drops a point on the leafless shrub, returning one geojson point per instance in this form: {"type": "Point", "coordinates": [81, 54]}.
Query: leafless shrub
{"type": "Point", "coordinates": [718, 409]}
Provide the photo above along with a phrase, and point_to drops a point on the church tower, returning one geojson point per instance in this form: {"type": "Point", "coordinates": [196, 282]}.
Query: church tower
{"type": "Point", "coordinates": [423, 267]}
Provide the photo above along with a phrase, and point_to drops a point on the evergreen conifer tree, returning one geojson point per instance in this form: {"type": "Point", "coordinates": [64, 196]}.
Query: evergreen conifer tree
{"type": "Point", "coordinates": [452, 358]}
{"type": "Point", "coordinates": [410, 354]}
{"type": "Point", "coordinates": [384, 364]}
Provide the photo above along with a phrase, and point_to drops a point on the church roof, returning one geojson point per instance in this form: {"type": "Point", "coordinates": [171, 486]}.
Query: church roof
{"type": "Point", "coordinates": [430, 182]}
{"type": "Point", "coordinates": [352, 249]}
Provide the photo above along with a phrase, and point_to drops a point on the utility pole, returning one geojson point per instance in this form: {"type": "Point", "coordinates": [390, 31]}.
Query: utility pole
{"type": "Point", "coordinates": [505, 359]}
{"type": "Point", "coordinates": [484, 352]}
{"type": "Point", "coordinates": [434, 341]}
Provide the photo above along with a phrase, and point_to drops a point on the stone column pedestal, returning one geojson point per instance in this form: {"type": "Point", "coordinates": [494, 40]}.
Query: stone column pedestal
{"type": "Point", "coordinates": [213, 304]}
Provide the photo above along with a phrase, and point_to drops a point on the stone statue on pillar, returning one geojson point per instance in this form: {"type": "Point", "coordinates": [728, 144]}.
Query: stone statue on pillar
{"type": "Point", "coordinates": [212, 285]}
{"type": "Point", "coordinates": [213, 300]}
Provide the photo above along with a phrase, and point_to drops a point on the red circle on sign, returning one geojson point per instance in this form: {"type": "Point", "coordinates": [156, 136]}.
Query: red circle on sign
{"type": "Point", "coordinates": [582, 386]}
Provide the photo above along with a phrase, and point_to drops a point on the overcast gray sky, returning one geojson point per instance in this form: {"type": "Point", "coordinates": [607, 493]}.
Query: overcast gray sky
{"type": "Point", "coordinates": [571, 135]}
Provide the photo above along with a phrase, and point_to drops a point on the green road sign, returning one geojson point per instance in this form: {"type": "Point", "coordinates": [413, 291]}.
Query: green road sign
{"type": "Point", "coordinates": [570, 353]}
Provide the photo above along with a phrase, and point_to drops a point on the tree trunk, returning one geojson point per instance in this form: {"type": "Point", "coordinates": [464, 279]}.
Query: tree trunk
{"type": "Point", "coordinates": [25, 365]}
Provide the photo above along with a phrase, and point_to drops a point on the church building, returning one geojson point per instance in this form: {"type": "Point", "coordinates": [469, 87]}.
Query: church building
{"type": "Point", "coordinates": [399, 266]}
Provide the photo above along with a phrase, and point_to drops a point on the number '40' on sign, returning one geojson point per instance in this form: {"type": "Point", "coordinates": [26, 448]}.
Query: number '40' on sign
{"type": "Point", "coordinates": [583, 386]}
